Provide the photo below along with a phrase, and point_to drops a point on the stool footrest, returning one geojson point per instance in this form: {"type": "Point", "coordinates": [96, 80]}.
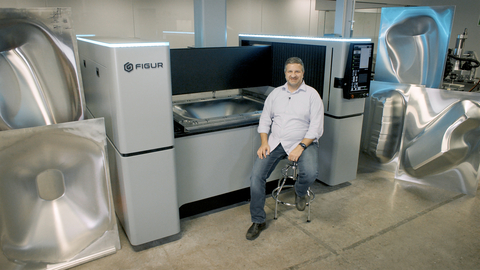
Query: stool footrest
{"type": "Point", "coordinates": [275, 195]}
{"type": "Point", "coordinates": [281, 185]}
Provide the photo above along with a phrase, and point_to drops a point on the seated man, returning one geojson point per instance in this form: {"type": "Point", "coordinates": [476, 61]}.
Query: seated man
{"type": "Point", "coordinates": [293, 115]}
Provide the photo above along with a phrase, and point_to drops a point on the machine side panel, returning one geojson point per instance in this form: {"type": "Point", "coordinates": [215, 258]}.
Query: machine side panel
{"type": "Point", "coordinates": [227, 168]}
{"type": "Point", "coordinates": [130, 87]}
{"type": "Point", "coordinates": [339, 150]}
{"type": "Point", "coordinates": [144, 108]}
{"type": "Point", "coordinates": [146, 196]}
{"type": "Point", "coordinates": [93, 60]}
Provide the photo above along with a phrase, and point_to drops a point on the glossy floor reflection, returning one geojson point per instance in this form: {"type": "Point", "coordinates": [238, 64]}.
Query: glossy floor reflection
{"type": "Point", "coordinates": [373, 222]}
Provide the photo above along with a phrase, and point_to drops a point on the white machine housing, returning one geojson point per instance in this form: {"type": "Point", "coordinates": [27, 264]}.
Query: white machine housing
{"type": "Point", "coordinates": [128, 82]}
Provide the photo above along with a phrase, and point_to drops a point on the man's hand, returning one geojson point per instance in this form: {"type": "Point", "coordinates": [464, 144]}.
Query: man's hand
{"type": "Point", "coordinates": [296, 153]}
{"type": "Point", "coordinates": [263, 151]}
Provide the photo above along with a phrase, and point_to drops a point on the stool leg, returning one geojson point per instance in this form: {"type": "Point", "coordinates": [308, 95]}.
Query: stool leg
{"type": "Point", "coordinates": [276, 206]}
{"type": "Point", "coordinates": [308, 218]}
{"type": "Point", "coordinates": [309, 203]}
{"type": "Point", "coordinates": [281, 183]}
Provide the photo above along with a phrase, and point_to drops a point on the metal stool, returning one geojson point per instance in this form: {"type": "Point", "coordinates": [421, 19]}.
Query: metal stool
{"type": "Point", "coordinates": [281, 184]}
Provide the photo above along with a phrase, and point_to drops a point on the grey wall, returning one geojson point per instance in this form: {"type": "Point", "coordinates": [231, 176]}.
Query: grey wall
{"type": "Point", "coordinates": [150, 19]}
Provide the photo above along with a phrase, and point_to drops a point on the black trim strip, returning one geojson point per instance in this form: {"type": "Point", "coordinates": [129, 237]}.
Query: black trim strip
{"type": "Point", "coordinates": [138, 153]}
{"type": "Point", "coordinates": [343, 117]}
{"type": "Point", "coordinates": [157, 242]}
{"type": "Point", "coordinates": [147, 151]}
{"type": "Point", "coordinates": [181, 133]}
{"type": "Point", "coordinates": [330, 81]}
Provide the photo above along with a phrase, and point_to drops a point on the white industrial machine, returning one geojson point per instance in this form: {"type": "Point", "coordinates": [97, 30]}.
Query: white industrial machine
{"type": "Point", "coordinates": [340, 70]}
{"type": "Point", "coordinates": [128, 82]}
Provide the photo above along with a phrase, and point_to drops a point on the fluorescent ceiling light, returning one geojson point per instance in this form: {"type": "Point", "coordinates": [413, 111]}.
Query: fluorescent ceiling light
{"type": "Point", "coordinates": [308, 38]}
{"type": "Point", "coordinates": [178, 32]}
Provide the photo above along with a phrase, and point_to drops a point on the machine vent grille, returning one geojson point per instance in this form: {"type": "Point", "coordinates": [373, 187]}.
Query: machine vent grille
{"type": "Point", "coordinates": [313, 57]}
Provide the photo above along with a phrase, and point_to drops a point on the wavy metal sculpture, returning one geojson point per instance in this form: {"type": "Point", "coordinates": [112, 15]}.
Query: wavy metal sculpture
{"type": "Point", "coordinates": [55, 196]}
{"type": "Point", "coordinates": [385, 124]}
{"type": "Point", "coordinates": [56, 207]}
{"type": "Point", "coordinates": [439, 140]}
{"type": "Point", "coordinates": [445, 142]}
{"type": "Point", "coordinates": [426, 135]}
{"type": "Point", "coordinates": [412, 45]}
{"type": "Point", "coordinates": [39, 83]}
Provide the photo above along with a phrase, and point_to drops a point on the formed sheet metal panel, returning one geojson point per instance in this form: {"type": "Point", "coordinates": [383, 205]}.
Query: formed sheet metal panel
{"type": "Point", "coordinates": [207, 114]}
{"type": "Point", "coordinates": [441, 140]}
{"type": "Point", "coordinates": [56, 206]}
{"type": "Point", "coordinates": [427, 136]}
{"type": "Point", "coordinates": [383, 121]}
{"type": "Point", "coordinates": [39, 82]}
{"type": "Point", "coordinates": [412, 44]}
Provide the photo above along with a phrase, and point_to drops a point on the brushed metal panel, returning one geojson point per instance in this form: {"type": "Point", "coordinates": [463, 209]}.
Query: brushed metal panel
{"type": "Point", "coordinates": [387, 115]}
{"type": "Point", "coordinates": [412, 44]}
{"type": "Point", "coordinates": [204, 114]}
{"type": "Point", "coordinates": [439, 140]}
{"type": "Point", "coordinates": [39, 81]}
{"type": "Point", "coordinates": [55, 197]}
{"type": "Point", "coordinates": [440, 144]}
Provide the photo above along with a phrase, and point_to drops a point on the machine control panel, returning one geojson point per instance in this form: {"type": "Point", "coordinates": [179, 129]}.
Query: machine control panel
{"type": "Point", "coordinates": [358, 71]}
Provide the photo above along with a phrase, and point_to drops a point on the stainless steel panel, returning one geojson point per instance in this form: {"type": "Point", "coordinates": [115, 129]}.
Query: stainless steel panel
{"type": "Point", "coordinates": [39, 82]}
{"type": "Point", "coordinates": [441, 140]}
{"type": "Point", "coordinates": [438, 131]}
{"type": "Point", "coordinates": [55, 198]}
{"type": "Point", "coordinates": [412, 44]}
{"type": "Point", "coordinates": [381, 144]}
{"type": "Point", "coordinates": [385, 124]}
{"type": "Point", "coordinates": [217, 108]}
{"type": "Point", "coordinates": [448, 138]}
{"type": "Point", "coordinates": [211, 113]}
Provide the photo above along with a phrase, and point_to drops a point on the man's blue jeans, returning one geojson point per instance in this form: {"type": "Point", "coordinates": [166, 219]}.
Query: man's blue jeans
{"type": "Point", "coordinates": [262, 168]}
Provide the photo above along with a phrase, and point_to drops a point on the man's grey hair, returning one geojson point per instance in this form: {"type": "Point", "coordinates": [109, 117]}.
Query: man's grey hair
{"type": "Point", "coordinates": [294, 60]}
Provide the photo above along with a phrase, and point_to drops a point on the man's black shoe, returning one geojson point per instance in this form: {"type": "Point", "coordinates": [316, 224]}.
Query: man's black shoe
{"type": "Point", "coordinates": [300, 202]}
{"type": "Point", "coordinates": [255, 230]}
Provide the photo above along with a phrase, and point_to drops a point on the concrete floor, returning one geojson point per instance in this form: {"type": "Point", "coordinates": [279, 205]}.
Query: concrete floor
{"type": "Point", "coordinates": [374, 222]}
